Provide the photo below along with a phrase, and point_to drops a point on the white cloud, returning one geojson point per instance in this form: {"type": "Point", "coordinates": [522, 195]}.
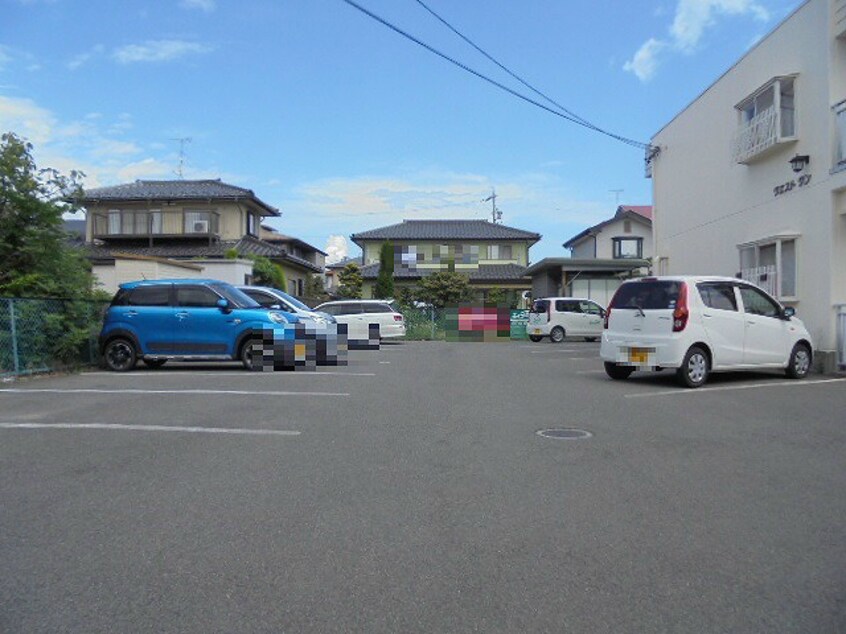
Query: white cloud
{"type": "Point", "coordinates": [645, 62]}
{"type": "Point", "coordinates": [692, 18]}
{"type": "Point", "coordinates": [26, 119]}
{"type": "Point", "coordinates": [80, 60]}
{"type": "Point", "coordinates": [5, 57]}
{"type": "Point", "coordinates": [204, 5]}
{"type": "Point", "coordinates": [158, 51]}
{"type": "Point", "coordinates": [336, 249]}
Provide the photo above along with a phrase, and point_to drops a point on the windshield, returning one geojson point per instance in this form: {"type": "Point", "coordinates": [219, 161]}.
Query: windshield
{"type": "Point", "coordinates": [293, 301]}
{"type": "Point", "coordinates": [237, 299]}
{"type": "Point", "coordinates": [651, 295]}
{"type": "Point", "coordinates": [540, 306]}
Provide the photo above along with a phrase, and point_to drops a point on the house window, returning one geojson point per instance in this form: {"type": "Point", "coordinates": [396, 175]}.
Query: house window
{"type": "Point", "coordinates": [771, 264]}
{"type": "Point", "coordinates": [114, 222]}
{"type": "Point", "coordinates": [627, 248]}
{"type": "Point", "coordinates": [627, 226]}
{"type": "Point", "coordinates": [765, 119]}
{"type": "Point", "coordinates": [251, 224]}
{"type": "Point", "coordinates": [499, 252]}
{"type": "Point", "coordinates": [197, 222]}
{"type": "Point", "coordinates": [840, 113]}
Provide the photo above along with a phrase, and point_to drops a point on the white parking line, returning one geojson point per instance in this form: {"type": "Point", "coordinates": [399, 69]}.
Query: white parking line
{"type": "Point", "coordinates": [384, 363]}
{"type": "Point", "coordinates": [157, 373]}
{"type": "Point", "coordinates": [119, 427]}
{"type": "Point", "coordinates": [726, 388]}
{"type": "Point", "coordinates": [559, 350]}
{"type": "Point", "coordinates": [181, 392]}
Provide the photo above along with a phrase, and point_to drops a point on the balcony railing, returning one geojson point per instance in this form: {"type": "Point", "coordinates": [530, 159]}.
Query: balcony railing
{"type": "Point", "coordinates": [757, 135]}
{"type": "Point", "coordinates": [159, 224]}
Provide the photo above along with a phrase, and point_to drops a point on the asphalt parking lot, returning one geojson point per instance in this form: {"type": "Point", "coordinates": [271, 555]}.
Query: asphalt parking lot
{"type": "Point", "coordinates": [410, 491]}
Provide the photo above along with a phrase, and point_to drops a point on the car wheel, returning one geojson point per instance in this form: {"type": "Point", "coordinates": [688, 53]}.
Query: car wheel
{"type": "Point", "coordinates": [251, 354]}
{"type": "Point", "coordinates": [591, 338]}
{"type": "Point", "coordinates": [556, 335]}
{"type": "Point", "coordinates": [120, 355]}
{"type": "Point", "coordinates": [535, 338]}
{"type": "Point", "coordinates": [799, 363]}
{"type": "Point", "coordinates": [154, 363]}
{"type": "Point", "coordinates": [618, 372]}
{"type": "Point", "coordinates": [695, 368]}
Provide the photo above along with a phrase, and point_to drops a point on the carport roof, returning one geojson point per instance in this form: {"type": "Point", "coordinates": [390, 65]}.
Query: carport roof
{"type": "Point", "coordinates": [622, 265]}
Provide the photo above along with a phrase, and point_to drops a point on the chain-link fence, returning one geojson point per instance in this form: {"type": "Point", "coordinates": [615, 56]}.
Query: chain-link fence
{"type": "Point", "coordinates": [440, 324]}
{"type": "Point", "coordinates": [424, 324]}
{"type": "Point", "coordinates": [40, 335]}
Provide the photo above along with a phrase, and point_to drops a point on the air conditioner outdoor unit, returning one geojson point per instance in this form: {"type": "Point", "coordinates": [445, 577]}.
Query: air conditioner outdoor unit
{"type": "Point", "coordinates": [201, 226]}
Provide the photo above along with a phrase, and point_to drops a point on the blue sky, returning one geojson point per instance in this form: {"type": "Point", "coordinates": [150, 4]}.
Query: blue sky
{"type": "Point", "coordinates": [346, 126]}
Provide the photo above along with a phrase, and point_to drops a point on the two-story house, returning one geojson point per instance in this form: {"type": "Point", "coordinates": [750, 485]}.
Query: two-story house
{"type": "Point", "coordinates": [302, 258]}
{"type": "Point", "coordinates": [750, 178]}
{"type": "Point", "coordinates": [601, 256]}
{"type": "Point", "coordinates": [146, 228]}
{"type": "Point", "coordinates": [493, 256]}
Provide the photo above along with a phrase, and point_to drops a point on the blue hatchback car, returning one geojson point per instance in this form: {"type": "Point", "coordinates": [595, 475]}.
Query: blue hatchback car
{"type": "Point", "coordinates": [194, 319]}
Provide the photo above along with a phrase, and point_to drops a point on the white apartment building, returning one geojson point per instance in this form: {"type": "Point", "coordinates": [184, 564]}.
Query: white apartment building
{"type": "Point", "coordinates": [750, 178]}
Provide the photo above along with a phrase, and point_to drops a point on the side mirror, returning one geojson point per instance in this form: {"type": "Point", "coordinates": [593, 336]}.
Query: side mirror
{"type": "Point", "coordinates": [788, 312]}
{"type": "Point", "coordinates": [223, 304]}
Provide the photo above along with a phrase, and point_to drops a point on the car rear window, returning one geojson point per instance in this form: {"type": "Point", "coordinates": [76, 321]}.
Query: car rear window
{"type": "Point", "coordinates": [149, 296]}
{"type": "Point", "coordinates": [540, 306]}
{"type": "Point", "coordinates": [647, 295]}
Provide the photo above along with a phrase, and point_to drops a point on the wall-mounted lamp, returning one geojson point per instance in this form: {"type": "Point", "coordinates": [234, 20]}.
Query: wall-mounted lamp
{"type": "Point", "coordinates": [799, 162]}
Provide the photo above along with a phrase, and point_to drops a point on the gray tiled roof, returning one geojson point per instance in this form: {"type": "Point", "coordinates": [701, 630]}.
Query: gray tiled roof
{"type": "Point", "coordinates": [446, 230]}
{"type": "Point", "coordinates": [188, 250]}
{"type": "Point", "coordinates": [485, 273]}
{"type": "Point", "coordinates": [175, 190]}
{"type": "Point", "coordinates": [342, 263]}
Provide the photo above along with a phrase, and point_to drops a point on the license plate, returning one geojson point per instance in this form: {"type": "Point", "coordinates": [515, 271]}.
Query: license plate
{"type": "Point", "coordinates": [537, 331]}
{"type": "Point", "coordinates": [639, 356]}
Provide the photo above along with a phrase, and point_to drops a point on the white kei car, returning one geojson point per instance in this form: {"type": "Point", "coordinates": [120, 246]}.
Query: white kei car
{"type": "Point", "coordinates": [700, 325]}
{"type": "Point", "coordinates": [559, 317]}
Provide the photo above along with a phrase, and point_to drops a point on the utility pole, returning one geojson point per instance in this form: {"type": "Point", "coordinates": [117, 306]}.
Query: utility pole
{"type": "Point", "coordinates": [182, 141]}
{"type": "Point", "coordinates": [496, 214]}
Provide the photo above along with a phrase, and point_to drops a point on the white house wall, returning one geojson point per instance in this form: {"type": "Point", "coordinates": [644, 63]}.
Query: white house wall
{"type": "Point", "coordinates": [705, 204]}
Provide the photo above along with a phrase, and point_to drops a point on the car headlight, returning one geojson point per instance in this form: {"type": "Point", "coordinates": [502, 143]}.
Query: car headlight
{"type": "Point", "coordinates": [277, 318]}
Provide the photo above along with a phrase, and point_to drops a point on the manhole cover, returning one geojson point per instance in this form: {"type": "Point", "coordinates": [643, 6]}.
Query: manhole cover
{"type": "Point", "coordinates": [564, 434]}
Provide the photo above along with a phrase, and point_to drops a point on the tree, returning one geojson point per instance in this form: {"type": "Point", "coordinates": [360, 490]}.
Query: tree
{"type": "Point", "coordinates": [384, 287]}
{"type": "Point", "coordinates": [443, 288]}
{"type": "Point", "coordinates": [350, 281]}
{"type": "Point", "coordinates": [267, 273]}
{"type": "Point", "coordinates": [35, 259]}
{"type": "Point", "coordinates": [314, 286]}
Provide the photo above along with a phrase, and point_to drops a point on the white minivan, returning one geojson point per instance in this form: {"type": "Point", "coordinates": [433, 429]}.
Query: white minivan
{"type": "Point", "coordinates": [559, 317]}
{"type": "Point", "coordinates": [699, 325]}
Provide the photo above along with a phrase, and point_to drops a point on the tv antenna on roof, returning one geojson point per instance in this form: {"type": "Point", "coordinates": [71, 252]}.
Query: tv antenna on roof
{"type": "Point", "coordinates": [496, 214]}
{"type": "Point", "coordinates": [182, 141]}
{"type": "Point", "coordinates": [616, 193]}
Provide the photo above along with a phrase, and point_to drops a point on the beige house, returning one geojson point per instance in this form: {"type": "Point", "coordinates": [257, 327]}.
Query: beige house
{"type": "Point", "coordinates": [202, 220]}
{"type": "Point", "coordinates": [491, 255]}
{"type": "Point", "coordinates": [750, 178]}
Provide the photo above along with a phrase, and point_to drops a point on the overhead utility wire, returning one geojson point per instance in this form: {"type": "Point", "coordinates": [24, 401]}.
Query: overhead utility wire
{"type": "Point", "coordinates": [502, 66]}
{"type": "Point", "coordinates": [563, 115]}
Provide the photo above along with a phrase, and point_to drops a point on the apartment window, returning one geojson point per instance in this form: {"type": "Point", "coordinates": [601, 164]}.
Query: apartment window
{"type": "Point", "coordinates": [499, 252]}
{"type": "Point", "coordinates": [771, 264]}
{"type": "Point", "coordinates": [766, 118]}
{"type": "Point", "coordinates": [627, 247]}
{"type": "Point", "coordinates": [840, 113]}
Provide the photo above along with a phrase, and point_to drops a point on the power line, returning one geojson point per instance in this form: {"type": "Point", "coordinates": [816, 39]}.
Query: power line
{"type": "Point", "coordinates": [503, 67]}
{"type": "Point", "coordinates": [564, 115]}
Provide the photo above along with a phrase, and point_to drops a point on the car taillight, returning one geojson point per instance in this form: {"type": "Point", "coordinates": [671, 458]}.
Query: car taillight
{"type": "Point", "coordinates": [681, 313]}
{"type": "Point", "coordinates": [397, 317]}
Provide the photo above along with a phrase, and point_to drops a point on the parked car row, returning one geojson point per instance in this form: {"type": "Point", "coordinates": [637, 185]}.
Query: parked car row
{"type": "Point", "coordinates": [200, 319]}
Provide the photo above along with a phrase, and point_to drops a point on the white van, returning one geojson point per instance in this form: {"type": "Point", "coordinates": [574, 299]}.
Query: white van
{"type": "Point", "coordinates": [559, 317]}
